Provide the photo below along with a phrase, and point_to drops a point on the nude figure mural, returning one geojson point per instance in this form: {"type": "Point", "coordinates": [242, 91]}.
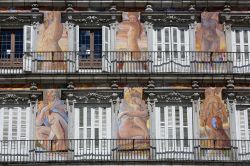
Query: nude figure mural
{"type": "Point", "coordinates": [52, 122]}
{"type": "Point", "coordinates": [133, 120]}
{"type": "Point", "coordinates": [52, 37]}
{"type": "Point", "coordinates": [131, 37]}
{"type": "Point", "coordinates": [210, 37]}
{"type": "Point", "coordinates": [214, 123]}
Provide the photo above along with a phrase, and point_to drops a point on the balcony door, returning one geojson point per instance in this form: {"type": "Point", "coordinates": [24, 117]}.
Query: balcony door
{"type": "Point", "coordinates": [14, 125]}
{"type": "Point", "coordinates": [172, 44]}
{"type": "Point", "coordinates": [174, 128]}
{"type": "Point", "coordinates": [92, 124]}
{"type": "Point", "coordinates": [241, 45]}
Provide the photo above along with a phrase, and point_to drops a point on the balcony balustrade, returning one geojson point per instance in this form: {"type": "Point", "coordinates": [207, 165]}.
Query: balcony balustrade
{"type": "Point", "coordinates": [91, 150]}
{"type": "Point", "coordinates": [125, 62]}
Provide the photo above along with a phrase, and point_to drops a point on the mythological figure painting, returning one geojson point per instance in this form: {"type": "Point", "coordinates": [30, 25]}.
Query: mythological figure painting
{"type": "Point", "coordinates": [133, 120]}
{"type": "Point", "coordinates": [52, 37]}
{"type": "Point", "coordinates": [131, 37]}
{"type": "Point", "coordinates": [214, 120]}
{"type": "Point", "coordinates": [210, 37]}
{"type": "Point", "coordinates": [52, 122]}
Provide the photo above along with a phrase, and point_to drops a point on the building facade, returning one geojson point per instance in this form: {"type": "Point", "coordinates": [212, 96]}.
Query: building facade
{"type": "Point", "coordinates": [161, 81]}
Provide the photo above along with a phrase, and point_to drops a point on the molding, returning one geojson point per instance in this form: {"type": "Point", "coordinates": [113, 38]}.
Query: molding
{"type": "Point", "coordinates": [240, 96]}
{"type": "Point", "coordinates": [20, 19]}
{"type": "Point", "coordinates": [93, 95]}
{"type": "Point", "coordinates": [92, 19]}
{"type": "Point", "coordinates": [19, 97]}
{"type": "Point", "coordinates": [178, 18]}
{"type": "Point", "coordinates": [241, 19]}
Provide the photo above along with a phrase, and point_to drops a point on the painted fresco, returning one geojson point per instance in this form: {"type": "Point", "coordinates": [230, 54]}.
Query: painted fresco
{"type": "Point", "coordinates": [131, 37]}
{"type": "Point", "coordinates": [52, 37]}
{"type": "Point", "coordinates": [214, 120]}
{"type": "Point", "coordinates": [52, 122]}
{"type": "Point", "coordinates": [133, 119]}
{"type": "Point", "coordinates": [210, 37]}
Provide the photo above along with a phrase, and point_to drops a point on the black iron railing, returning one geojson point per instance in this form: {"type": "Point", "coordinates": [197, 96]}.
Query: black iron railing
{"type": "Point", "coordinates": [126, 62]}
{"type": "Point", "coordinates": [124, 150]}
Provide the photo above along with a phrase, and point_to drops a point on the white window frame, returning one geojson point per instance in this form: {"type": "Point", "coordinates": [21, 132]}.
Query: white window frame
{"type": "Point", "coordinates": [162, 134]}
{"type": "Point", "coordinates": [85, 147]}
{"type": "Point", "coordinates": [178, 62]}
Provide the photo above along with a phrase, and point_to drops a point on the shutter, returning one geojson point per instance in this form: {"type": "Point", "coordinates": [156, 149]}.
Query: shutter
{"type": "Point", "coordinates": [28, 34]}
{"type": "Point", "coordinates": [1, 123]}
{"type": "Point", "coordinates": [77, 122]}
{"type": "Point", "coordinates": [108, 119]}
{"type": "Point", "coordinates": [105, 48]}
{"type": "Point", "coordinates": [77, 46]}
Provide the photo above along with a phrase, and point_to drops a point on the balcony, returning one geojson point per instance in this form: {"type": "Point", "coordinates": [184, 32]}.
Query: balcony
{"type": "Point", "coordinates": [124, 62]}
{"type": "Point", "coordinates": [114, 150]}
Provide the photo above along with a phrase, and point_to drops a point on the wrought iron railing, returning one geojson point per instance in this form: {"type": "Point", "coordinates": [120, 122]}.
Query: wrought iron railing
{"type": "Point", "coordinates": [124, 150]}
{"type": "Point", "coordinates": [126, 62]}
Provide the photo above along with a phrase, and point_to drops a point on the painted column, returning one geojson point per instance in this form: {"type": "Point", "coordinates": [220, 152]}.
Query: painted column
{"type": "Point", "coordinates": [151, 99]}
{"type": "Point", "coordinates": [149, 31]}
{"type": "Point", "coordinates": [228, 34]}
{"type": "Point", "coordinates": [33, 110]}
{"type": "Point", "coordinates": [71, 55]}
{"type": "Point", "coordinates": [111, 56]}
{"type": "Point", "coordinates": [71, 120]}
{"type": "Point", "coordinates": [196, 119]}
{"type": "Point", "coordinates": [115, 106]}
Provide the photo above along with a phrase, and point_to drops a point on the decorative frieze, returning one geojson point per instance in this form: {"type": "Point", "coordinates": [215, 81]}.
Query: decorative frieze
{"type": "Point", "coordinates": [92, 19]}
{"type": "Point", "coordinates": [19, 19]}
{"type": "Point", "coordinates": [235, 18]}
{"type": "Point", "coordinates": [177, 18]}
{"type": "Point", "coordinates": [19, 97]}
{"type": "Point", "coordinates": [93, 96]}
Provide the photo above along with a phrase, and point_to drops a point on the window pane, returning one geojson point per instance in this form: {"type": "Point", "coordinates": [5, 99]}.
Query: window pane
{"type": "Point", "coordinates": [245, 34]}
{"type": "Point", "coordinates": [88, 117]}
{"type": "Point", "coordinates": [182, 36]}
{"type": "Point", "coordinates": [175, 35]}
{"type": "Point", "coordinates": [162, 114]}
{"type": "Point", "coordinates": [159, 36]}
{"type": "Point", "coordinates": [81, 118]}
{"type": "Point", "coordinates": [167, 35]}
{"type": "Point", "coordinates": [237, 36]}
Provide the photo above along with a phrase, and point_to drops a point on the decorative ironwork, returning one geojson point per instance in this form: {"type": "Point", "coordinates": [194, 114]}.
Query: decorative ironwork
{"type": "Point", "coordinates": [235, 19]}
{"type": "Point", "coordinates": [13, 18]}
{"type": "Point", "coordinates": [13, 99]}
{"type": "Point", "coordinates": [159, 19]}
{"type": "Point", "coordinates": [92, 19]}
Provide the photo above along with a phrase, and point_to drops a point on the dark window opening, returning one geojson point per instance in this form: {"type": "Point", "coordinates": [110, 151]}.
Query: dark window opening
{"type": "Point", "coordinates": [90, 44]}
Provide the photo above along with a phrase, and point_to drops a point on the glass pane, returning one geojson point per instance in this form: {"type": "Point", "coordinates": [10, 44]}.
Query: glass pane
{"type": "Point", "coordinates": [175, 35]}
{"type": "Point", "coordinates": [88, 117]}
{"type": "Point", "coordinates": [182, 36]}
{"type": "Point", "coordinates": [237, 36]}
{"type": "Point", "coordinates": [167, 35]}
{"type": "Point", "coordinates": [81, 133]}
{"type": "Point", "coordinates": [96, 137]}
{"type": "Point", "coordinates": [245, 34]}
{"type": "Point", "coordinates": [81, 118]}
{"type": "Point", "coordinates": [159, 36]}
{"type": "Point", "coordinates": [185, 122]}
{"type": "Point", "coordinates": [177, 116]}
{"type": "Point", "coordinates": [162, 114]}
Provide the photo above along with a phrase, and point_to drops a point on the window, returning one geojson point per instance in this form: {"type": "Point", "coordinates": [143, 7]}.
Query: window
{"type": "Point", "coordinates": [92, 125]}
{"type": "Point", "coordinates": [11, 43]}
{"type": "Point", "coordinates": [90, 43]}
{"type": "Point", "coordinates": [174, 128]}
{"type": "Point", "coordinates": [241, 45]}
{"type": "Point", "coordinates": [171, 42]}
